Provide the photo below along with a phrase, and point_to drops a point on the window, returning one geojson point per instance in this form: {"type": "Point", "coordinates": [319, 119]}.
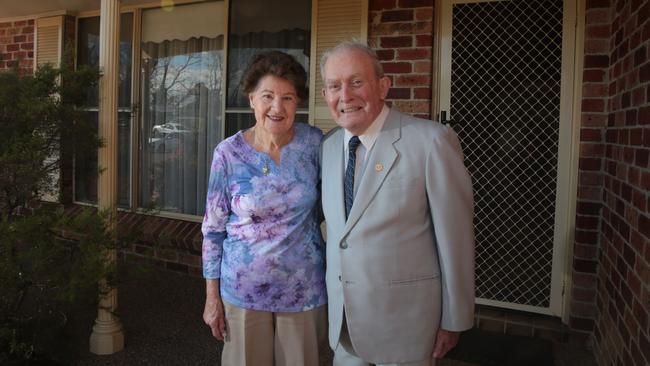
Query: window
{"type": "Point", "coordinates": [254, 27]}
{"type": "Point", "coordinates": [183, 93]}
{"type": "Point", "coordinates": [85, 182]}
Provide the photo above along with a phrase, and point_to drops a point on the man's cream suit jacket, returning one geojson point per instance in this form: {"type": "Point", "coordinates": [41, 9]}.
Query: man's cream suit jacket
{"type": "Point", "coordinates": [403, 263]}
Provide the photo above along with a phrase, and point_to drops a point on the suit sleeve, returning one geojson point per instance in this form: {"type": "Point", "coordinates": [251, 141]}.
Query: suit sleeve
{"type": "Point", "coordinates": [449, 191]}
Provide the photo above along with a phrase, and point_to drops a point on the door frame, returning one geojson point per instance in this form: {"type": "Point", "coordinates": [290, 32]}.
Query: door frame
{"type": "Point", "coordinates": [568, 140]}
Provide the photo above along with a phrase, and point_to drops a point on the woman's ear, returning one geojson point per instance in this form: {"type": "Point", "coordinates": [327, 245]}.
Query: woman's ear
{"type": "Point", "coordinates": [250, 100]}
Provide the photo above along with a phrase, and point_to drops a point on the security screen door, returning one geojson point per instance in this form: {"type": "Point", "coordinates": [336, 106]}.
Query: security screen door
{"type": "Point", "coordinates": [502, 87]}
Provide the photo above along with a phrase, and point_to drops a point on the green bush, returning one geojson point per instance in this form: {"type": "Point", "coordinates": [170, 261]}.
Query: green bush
{"type": "Point", "coordinates": [49, 261]}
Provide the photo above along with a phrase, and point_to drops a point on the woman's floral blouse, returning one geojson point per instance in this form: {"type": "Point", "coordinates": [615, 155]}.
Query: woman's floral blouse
{"type": "Point", "coordinates": [261, 234]}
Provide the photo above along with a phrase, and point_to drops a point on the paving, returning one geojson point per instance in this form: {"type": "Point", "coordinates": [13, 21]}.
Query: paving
{"type": "Point", "coordinates": [161, 314]}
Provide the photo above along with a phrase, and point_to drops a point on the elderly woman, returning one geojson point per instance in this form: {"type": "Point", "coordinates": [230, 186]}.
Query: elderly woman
{"type": "Point", "coordinates": [263, 255]}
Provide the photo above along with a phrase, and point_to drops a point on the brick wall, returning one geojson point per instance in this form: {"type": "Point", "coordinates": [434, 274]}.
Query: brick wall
{"type": "Point", "coordinates": [17, 45]}
{"type": "Point", "coordinates": [622, 324]}
{"type": "Point", "coordinates": [595, 92]}
{"type": "Point", "coordinates": [401, 33]}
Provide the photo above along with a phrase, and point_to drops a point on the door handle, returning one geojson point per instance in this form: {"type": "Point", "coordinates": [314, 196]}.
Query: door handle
{"type": "Point", "coordinates": [444, 120]}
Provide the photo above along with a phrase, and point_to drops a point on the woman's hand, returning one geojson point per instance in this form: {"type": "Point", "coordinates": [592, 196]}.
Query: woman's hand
{"type": "Point", "coordinates": [213, 313]}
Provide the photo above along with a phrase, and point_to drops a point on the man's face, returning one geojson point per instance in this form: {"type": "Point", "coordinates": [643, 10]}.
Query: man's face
{"type": "Point", "coordinates": [354, 94]}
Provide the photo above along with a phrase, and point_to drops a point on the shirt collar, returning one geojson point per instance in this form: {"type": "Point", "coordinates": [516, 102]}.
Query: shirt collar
{"type": "Point", "coordinates": [370, 135]}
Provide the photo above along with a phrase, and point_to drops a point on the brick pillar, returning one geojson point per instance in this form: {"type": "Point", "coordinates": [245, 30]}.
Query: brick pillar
{"type": "Point", "coordinates": [401, 33]}
{"type": "Point", "coordinates": [595, 91]}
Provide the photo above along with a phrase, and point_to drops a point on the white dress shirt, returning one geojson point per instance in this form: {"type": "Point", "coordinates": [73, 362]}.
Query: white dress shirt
{"type": "Point", "coordinates": [367, 139]}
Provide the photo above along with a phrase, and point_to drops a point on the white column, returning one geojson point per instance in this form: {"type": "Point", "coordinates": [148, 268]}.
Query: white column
{"type": "Point", "coordinates": [108, 336]}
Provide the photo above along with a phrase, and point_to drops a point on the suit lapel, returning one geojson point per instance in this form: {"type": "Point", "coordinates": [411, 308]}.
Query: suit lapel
{"type": "Point", "coordinates": [378, 164]}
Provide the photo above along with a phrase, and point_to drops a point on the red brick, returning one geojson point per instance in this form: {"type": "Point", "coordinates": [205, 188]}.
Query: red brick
{"type": "Point", "coordinates": [414, 54]}
{"type": "Point", "coordinates": [20, 39]}
{"type": "Point", "coordinates": [423, 40]}
{"type": "Point", "coordinates": [588, 208]}
{"type": "Point", "coordinates": [640, 56]}
{"type": "Point", "coordinates": [422, 93]}
{"type": "Point", "coordinates": [414, 3]}
{"type": "Point", "coordinates": [587, 222]}
{"type": "Point", "coordinates": [593, 105]}
{"type": "Point", "coordinates": [27, 30]}
{"type": "Point", "coordinates": [397, 67]}
{"type": "Point", "coordinates": [590, 164]}
{"type": "Point", "coordinates": [638, 96]}
{"type": "Point", "coordinates": [424, 14]}
{"type": "Point", "coordinates": [641, 158]}
{"type": "Point", "coordinates": [586, 237]}
{"type": "Point", "coordinates": [593, 120]}
{"type": "Point", "coordinates": [381, 4]}
{"type": "Point", "coordinates": [397, 15]}
{"type": "Point", "coordinates": [581, 294]}
{"type": "Point", "coordinates": [399, 93]}
{"type": "Point", "coordinates": [396, 42]}
{"type": "Point", "coordinates": [644, 73]}
{"type": "Point", "coordinates": [385, 55]}
{"type": "Point", "coordinates": [596, 46]}
{"type": "Point", "coordinates": [592, 150]}
{"type": "Point", "coordinates": [596, 61]}
{"type": "Point", "coordinates": [594, 90]}
{"type": "Point", "coordinates": [422, 67]}
{"type": "Point", "coordinates": [590, 134]}
{"type": "Point", "coordinates": [413, 80]}
{"type": "Point", "coordinates": [589, 193]}
{"type": "Point", "coordinates": [13, 47]}
{"type": "Point", "coordinates": [598, 31]}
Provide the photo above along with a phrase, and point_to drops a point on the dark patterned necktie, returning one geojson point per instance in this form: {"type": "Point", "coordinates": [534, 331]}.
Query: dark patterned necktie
{"type": "Point", "coordinates": [348, 184]}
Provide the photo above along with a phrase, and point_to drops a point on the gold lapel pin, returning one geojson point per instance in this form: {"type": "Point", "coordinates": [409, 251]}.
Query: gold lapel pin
{"type": "Point", "coordinates": [379, 167]}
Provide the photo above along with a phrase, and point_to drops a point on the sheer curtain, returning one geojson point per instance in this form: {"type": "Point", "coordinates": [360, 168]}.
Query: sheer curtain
{"type": "Point", "coordinates": [181, 121]}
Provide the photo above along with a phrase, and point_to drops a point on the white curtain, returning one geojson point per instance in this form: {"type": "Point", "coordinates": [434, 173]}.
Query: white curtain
{"type": "Point", "coordinates": [181, 121]}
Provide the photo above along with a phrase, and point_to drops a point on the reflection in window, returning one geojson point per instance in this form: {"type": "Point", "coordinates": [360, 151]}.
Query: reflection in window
{"type": "Point", "coordinates": [182, 67]}
{"type": "Point", "coordinates": [88, 54]}
{"type": "Point", "coordinates": [255, 28]}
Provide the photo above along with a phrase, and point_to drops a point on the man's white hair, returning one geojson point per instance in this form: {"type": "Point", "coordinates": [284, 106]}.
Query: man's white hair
{"type": "Point", "coordinates": [352, 45]}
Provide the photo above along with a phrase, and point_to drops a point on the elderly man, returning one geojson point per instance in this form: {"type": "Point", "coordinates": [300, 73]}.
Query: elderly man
{"type": "Point", "coordinates": [399, 209]}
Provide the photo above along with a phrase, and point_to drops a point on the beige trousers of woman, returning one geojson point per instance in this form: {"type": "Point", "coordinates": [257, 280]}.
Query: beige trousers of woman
{"type": "Point", "coordinates": [263, 338]}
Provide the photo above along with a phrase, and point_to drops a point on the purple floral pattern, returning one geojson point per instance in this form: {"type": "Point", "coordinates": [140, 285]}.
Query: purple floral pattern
{"type": "Point", "coordinates": [261, 234]}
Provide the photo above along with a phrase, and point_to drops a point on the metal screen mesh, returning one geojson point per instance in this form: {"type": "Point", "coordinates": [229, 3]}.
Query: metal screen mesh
{"type": "Point", "coordinates": [505, 104]}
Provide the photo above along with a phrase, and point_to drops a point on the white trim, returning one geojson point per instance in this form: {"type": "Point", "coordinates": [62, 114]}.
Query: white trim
{"type": "Point", "coordinates": [509, 305]}
{"type": "Point", "coordinates": [566, 148]}
{"type": "Point", "coordinates": [313, 64]}
{"type": "Point", "coordinates": [444, 18]}
{"type": "Point", "coordinates": [572, 178]}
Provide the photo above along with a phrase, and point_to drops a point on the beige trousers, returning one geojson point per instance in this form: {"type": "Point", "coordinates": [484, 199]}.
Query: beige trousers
{"type": "Point", "coordinates": [263, 338]}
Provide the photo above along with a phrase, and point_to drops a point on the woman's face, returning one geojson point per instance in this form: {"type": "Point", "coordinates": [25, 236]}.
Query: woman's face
{"type": "Point", "coordinates": [274, 102]}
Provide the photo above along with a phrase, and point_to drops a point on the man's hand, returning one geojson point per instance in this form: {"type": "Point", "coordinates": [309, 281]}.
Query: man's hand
{"type": "Point", "coordinates": [445, 340]}
{"type": "Point", "coordinates": [213, 314]}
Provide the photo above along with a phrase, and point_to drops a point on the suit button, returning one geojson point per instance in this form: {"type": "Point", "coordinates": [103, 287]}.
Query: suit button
{"type": "Point", "coordinates": [344, 245]}
{"type": "Point", "coordinates": [339, 278]}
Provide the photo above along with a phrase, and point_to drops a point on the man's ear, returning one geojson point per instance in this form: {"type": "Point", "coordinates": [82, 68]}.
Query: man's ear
{"type": "Point", "coordinates": [384, 86]}
{"type": "Point", "coordinates": [323, 92]}
{"type": "Point", "coordinates": [250, 100]}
